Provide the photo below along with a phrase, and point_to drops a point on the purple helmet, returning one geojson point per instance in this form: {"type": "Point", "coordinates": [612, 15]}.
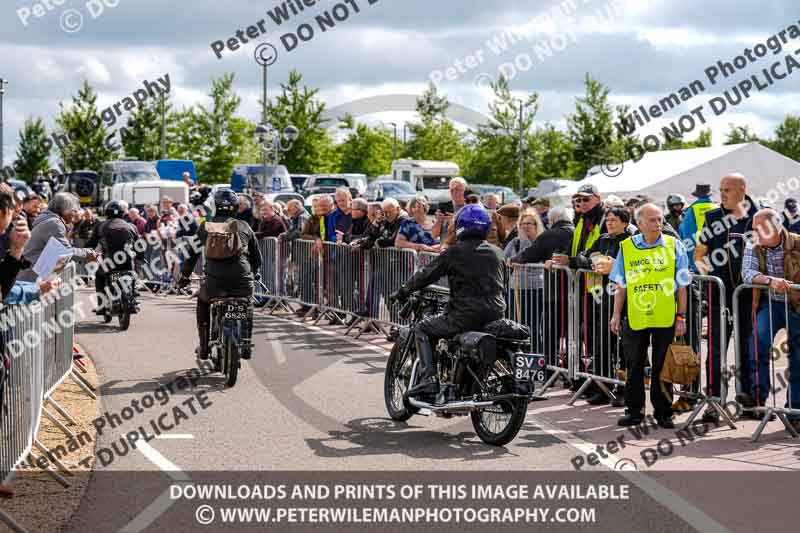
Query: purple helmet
{"type": "Point", "coordinates": [473, 220]}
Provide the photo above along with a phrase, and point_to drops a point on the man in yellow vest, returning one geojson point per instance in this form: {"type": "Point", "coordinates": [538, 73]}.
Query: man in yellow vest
{"type": "Point", "coordinates": [651, 272]}
{"type": "Point", "coordinates": [589, 225]}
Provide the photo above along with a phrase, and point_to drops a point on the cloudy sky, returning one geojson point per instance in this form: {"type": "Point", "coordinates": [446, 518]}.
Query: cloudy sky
{"type": "Point", "coordinates": [642, 49]}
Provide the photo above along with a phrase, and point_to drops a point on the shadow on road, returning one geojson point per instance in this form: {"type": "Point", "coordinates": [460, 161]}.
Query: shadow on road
{"type": "Point", "coordinates": [92, 328]}
{"type": "Point", "coordinates": [383, 436]}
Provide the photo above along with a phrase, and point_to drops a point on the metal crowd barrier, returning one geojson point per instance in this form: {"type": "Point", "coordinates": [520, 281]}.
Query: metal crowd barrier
{"type": "Point", "coordinates": [23, 395]}
{"type": "Point", "coordinates": [539, 298]}
{"type": "Point", "coordinates": [774, 316]}
{"type": "Point", "coordinates": [269, 268]}
{"type": "Point", "coordinates": [706, 333]}
{"type": "Point", "coordinates": [424, 259]}
{"type": "Point", "coordinates": [37, 341]}
{"type": "Point", "coordinates": [599, 358]}
{"type": "Point", "coordinates": [388, 269]}
{"type": "Point", "coordinates": [345, 284]}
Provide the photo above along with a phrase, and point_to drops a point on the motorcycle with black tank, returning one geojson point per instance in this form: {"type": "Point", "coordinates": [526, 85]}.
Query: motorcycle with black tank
{"type": "Point", "coordinates": [484, 375]}
{"type": "Point", "coordinates": [122, 298]}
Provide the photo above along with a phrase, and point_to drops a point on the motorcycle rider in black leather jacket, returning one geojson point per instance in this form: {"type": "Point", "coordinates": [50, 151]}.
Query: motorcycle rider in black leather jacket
{"type": "Point", "coordinates": [476, 273]}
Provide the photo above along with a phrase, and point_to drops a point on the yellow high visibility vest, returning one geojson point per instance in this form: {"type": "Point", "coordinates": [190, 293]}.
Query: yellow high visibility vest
{"type": "Point", "coordinates": [593, 281]}
{"type": "Point", "coordinates": [700, 216]}
{"type": "Point", "coordinates": [650, 281]}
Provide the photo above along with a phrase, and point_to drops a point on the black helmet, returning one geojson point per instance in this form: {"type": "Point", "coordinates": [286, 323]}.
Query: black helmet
{"type": "Point", "coordinates": [225, 202]}
{"type": "Point", "coordinates": [114, 209]}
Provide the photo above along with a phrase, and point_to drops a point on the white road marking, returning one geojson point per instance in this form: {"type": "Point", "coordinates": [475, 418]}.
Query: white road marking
{"type": "Point", "coordinates": [164, 500]}
{"type": "Point", "coordinates": [162, 462]}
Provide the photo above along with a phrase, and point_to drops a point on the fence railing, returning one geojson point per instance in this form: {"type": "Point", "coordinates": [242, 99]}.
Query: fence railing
{"type": "Point", "coordinates": [757, 358]}
{"type": "Point", "coordinates": [37, 341]}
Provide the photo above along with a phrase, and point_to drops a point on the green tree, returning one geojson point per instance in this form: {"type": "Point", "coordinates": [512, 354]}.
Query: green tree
{"type": "Point", "coordinates": [495, 149]}
{"type": "Point", "coordinates": [365, 150]}
{"type": "Point", "coordinates": [787, 138]}
{"type": "Point", "coordinates": [704, 140]}
{"type": "Point", "coordinates": [33, 152]}
{"type": "Point", "coordinates": [90, 144]}
{"type": "Point", "coordinates": [552, 154]}
{"type": "Point", "coordinates": [222, 135]}
{"type": "Point", "coordinates": [434, 137]}
{"type": "Point", "coordinates": [141, 136]}
{"type": "Point", "coordinates": [590, 128]}
{"type": "Point", "coordinates": [299, 105]}
{"type": "Point", "coordinates": [184, 139]}
{"type": "Point", "coordinates": [740, 134]}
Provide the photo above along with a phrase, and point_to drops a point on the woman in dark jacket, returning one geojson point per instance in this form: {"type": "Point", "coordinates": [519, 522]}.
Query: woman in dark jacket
{"type": "Point", "coordinates": [600, 258]}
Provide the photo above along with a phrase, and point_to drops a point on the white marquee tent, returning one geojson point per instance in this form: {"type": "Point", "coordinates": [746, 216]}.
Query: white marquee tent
{"type": "Point", "coordinates": [658, 174]}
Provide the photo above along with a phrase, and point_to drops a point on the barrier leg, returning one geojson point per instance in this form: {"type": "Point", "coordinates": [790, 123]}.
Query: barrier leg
{"type": "Point", "coordinates": [63, 412]}
{"type": "Point", "coordinates": [82, 383]}
{"type": "Point", "coordinates": [788, 425]}
{"type": "Point", "coordinates": [767, 416]}
{"type": "Point", "coordinates": [58, 423]}
{"type": "Point", "coordinates": [605, 390]}
{"type": "Point", "coordinates": [557, 373]}
{"type": "Point", "coordinates": [55, 460]}
{"type": "Point", "coordinates": [7, 520]}
{"type": "Point", "coordinates": [580, 391]}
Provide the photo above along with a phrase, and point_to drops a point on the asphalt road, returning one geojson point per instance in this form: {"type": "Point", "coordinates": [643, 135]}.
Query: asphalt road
{"type": "Point", "coordinates": [308, 401]}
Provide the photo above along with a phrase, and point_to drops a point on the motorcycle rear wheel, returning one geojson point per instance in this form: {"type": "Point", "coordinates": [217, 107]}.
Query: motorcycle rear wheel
{"type": "Point", "coordinates": [124, 321]}
{"type": "Point", "coordinates": [230, 361]}
{"type": "Point", "coordinates": [499, 424]}
{"type": "Point", "coordinates": [396, 384]}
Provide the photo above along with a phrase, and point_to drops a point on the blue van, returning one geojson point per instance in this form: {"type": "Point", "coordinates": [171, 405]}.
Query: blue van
{"type": "Point", "coordinates": [173, 169]}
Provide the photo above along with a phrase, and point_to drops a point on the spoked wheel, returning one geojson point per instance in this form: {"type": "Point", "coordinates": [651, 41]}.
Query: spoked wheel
{"type": "Point", "coordinates": [230, 361]}
{"type": "Point", "coordinates": [396, 382]}
{"type": "Point", "coordinates": [124, 321]}
{"type": "Point", "coordinates": [499, 424]}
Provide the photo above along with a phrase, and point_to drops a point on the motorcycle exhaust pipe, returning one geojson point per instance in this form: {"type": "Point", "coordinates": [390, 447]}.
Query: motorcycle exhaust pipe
{"type": "Point", "coordinates": [451, 407]}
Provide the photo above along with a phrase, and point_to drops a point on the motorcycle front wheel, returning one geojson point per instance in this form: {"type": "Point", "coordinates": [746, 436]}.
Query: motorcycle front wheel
{"type": "Point", "coordinates": [396, 383]}
{"type": "Point", "coordinates": [499, 424]}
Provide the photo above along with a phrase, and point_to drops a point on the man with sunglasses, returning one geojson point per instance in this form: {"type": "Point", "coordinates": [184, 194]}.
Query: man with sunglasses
{"type": "Point", "coordinates": [589, 225]}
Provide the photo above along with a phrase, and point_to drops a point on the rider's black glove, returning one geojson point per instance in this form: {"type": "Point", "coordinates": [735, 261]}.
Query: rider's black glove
{"type": "Point", "coordinates": [401, 295]}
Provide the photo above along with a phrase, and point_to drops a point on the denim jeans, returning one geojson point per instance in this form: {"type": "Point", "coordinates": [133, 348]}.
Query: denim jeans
{"type": "Point", "coordinates": [761, 352]}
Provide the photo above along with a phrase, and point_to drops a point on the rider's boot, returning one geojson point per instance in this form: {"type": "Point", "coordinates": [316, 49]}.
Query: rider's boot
{"type": "Point", "coordinates": [202, 350]}
{"type": "Point", "coordinates": [428, 385]}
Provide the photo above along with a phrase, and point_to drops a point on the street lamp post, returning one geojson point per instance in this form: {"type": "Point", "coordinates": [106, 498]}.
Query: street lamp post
{"type": "Point", "coordinates": [3, 83]}
{"type": "Point", "coordinates": [273, 142]}
{"type": "Point", "coordinates": [523, 146]}
{"type": "Point", "coordinates": [265, 55]}
{"type": "Point", "coordinates": [394, 143]}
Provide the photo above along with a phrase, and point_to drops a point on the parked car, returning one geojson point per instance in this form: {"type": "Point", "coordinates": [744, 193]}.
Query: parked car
{"type": "Point", "coordinates": [402, 191]}
{"type": "Point", "coordinates": [328, 183]}
{"type": "Point", "coordinates": [299, 182]}
{"type": "Point", "coordinates": [506, 194]}
{"type": "Point", "coordinates": [86, 185]}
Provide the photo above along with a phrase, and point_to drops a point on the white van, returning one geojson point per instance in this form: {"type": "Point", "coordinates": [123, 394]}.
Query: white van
{"type": "Point", "coordinates": [138, 183]}
{"type": "Point", "coordinates": [429, 177]}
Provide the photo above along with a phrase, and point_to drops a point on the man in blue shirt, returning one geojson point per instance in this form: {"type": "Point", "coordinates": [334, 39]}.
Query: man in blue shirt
{"type": "Point", "coordinates": [656, 311]}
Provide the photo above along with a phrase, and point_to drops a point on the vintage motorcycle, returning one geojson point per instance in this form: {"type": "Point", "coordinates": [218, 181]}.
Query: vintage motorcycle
{"type": "Point", "coordinates": [122, 301]}
{"type": "Point", "coordinates": [482, 374]}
